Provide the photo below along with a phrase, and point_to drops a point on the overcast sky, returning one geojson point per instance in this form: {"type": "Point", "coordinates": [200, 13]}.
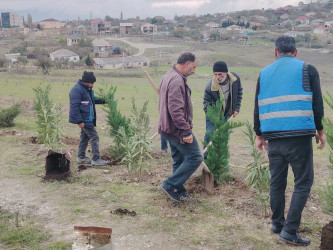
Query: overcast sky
{"type": "Point", "coordinates": [72, 9]}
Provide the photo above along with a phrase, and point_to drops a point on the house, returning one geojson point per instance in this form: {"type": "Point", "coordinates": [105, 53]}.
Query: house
{"type": "Point", "coordinates": [294, 34]}
{"type": "Point", "coordinates": [212, 25]}
{"type": "Point", "coordinates": [321, 30]}
{"type": "Point", "coordinates": [121, 62]}
{"type": "Point", "coordinates": [149, 28]}
{"type": "Point", "coordinates": [102, 48]}
{"type": "Point", "coordinates": [310, 14]}
{"type": "Point", "coordinates": [64, 54]}
{"type": "Point", "coordinates": [50, 24]}
{"type": "Point", "coordinates": [73, 39]}
{"type": "Point", "coordinates": [302, 27]}
{"type": "Point", "coordinates": [284, 17]}
{"type": "Point", "coordinates": [97, 27]}
{"type": "Point", "coordinates": [328, 23]}
{"type": "Point", "coordinates": [317, 22]}
{"type": "Point", "coordinates": [234, 27]}
{"type": "Point", "coordinates": [12, 57]}
{"type": "Point", "coordinates": [256, 25]}
{"type": "Point", "coordinates": [280, 11]}
{"type": "Point", "coordinates": [125, 28]}
{"type": "Point", "coordinates": [303, 20]}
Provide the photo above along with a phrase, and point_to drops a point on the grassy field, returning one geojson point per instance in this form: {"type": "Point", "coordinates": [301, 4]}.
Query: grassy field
{"type": "Point", "coordinates": [227, 219]}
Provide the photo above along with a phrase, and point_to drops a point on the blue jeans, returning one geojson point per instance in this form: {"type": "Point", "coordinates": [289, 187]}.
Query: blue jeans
{"type": "Point", "coordinates": [86, 135]}
{"type": "Point", "coordinates": [186, 158]}
{"type": "Point", "coordinates": [164, 143]}
{"type": "Point", "coordinates": [296, 151]}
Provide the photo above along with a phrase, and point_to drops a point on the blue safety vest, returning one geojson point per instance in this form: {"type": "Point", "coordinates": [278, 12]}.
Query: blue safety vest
{"type": "Point", "coordinates": [284, 104]}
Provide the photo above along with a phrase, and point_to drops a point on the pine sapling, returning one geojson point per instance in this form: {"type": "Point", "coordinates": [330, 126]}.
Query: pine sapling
{"type": "Point", "coordinates": [8, 115]}
{"type": "Point", "coordinates": [218, 153]}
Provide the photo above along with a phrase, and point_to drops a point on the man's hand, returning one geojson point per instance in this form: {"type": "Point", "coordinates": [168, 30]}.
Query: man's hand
{"type": "Point", "coordinates": [81, 125]}
{"type": "Point", "coordinates": [261, 144]}
{"type": "Point", "coordinates": [235, 114]}
{"type": "Point", "coordinates": [188, 139]}
{"type": "Point", "coordinates": [320, 137]}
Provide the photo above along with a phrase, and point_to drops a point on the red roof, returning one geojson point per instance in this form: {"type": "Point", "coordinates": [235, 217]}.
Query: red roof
{"type": "Point", "coordinates": [302, 18]}
{"type": "Point", "coordinates": [322, 28]}
{"type": "Point", "coordinates": [96, 21]}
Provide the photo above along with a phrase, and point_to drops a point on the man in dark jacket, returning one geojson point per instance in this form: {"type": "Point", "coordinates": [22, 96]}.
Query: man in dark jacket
{"type": "Point", "coordinates": [228, 85]}
{"type": "Point", "coordinates": [83, 113]}
{"type": "Point", "coordinates": [288, 112]}
{"type": "Point", "coordinates": [175, 124]}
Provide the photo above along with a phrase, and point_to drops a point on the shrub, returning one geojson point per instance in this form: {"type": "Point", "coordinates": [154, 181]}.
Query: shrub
{"type": "Point", "coordinates": [258, 172]}
{"type": "Point", "coordinates": [8, 115]}
{"type": "Point", "coordinates": [137, 146]}
{"type": "Point", "coordinates": [48, 117]}
{"type": "Point", "coordinates": [328, 125]}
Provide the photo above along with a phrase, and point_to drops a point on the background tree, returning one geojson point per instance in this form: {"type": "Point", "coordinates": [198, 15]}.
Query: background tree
{"type": "Point", "coordinates": [44, 63]}
{"type": "Point", "coordinates": [3, 61]}
{"type": "Point", "coordinates": [29, 21]}
{"type": "Point", "coordinates": [89, 61]}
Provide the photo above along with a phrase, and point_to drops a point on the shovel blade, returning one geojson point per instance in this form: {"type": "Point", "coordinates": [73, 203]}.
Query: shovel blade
{"type": "Point", "coordinates": [207, 181]}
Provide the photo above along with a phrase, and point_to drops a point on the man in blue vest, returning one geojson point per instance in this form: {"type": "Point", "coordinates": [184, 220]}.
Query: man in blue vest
{"type": "Point", "coordinates": [83, 113]}
{"type": "Point", "coordinates": [288, 113]}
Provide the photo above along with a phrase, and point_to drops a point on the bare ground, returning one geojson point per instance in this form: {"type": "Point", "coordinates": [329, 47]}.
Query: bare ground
{"type": "Point", "coordinates": [228, 218]}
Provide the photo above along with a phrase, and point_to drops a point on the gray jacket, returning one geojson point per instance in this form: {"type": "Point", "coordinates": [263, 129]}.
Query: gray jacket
{"type": "Point", "coordinates": [175, 106]}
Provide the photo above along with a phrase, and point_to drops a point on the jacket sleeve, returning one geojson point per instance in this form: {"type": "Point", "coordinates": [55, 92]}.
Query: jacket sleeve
{"type": "Point", "coordinates": [176, 107]}
{"type": "Point", "coordinates": [74, 111]}
{"type": "Point", "coordinates": [317, 98]}
{"type": "Point", "coordinates": [208, 97]}
{"type": "Point", "coordinates": [99, 100]}
{"type": "Point", "coordinates": [256, 120]}
{"type": "Point", "coordinates": [239, 95]}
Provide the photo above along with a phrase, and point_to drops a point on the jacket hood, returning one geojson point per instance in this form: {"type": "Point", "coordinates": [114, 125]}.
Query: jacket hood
{"type": "Point", "coordinates": [215, 85]}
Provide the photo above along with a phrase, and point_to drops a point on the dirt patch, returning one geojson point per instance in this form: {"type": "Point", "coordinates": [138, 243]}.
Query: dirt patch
{"type": "Point", "coordinates": [70, 141]}
{"type": "Point", "coordinates": [327, 237]}
{"type": "Point", "coordinates": [124, 211]}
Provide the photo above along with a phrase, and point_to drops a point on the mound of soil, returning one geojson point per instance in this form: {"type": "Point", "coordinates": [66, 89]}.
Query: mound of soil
{"type": "Point", "coordinates": [327, 237]}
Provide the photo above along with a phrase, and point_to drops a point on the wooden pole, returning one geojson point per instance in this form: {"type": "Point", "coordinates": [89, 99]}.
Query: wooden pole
{"type": "Point", "coordinates": [151, 81]}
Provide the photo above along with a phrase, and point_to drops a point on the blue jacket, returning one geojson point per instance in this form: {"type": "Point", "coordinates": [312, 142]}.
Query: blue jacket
{"type": "Point", "coordinates": [82, 105]}
{"type": "Point", "coordinates": [285, 99]}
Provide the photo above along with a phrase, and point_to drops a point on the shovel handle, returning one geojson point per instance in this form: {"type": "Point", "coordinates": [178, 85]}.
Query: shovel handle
{"type": "Point", "coordinates": [151, 81]}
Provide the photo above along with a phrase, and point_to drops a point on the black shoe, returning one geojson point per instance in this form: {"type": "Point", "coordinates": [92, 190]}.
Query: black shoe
{"type": "Point", "coordinates": [172, 194]}
{"type": "Point", "coordinates": [294, 239]}
{"type": "Point", "coordinates": [276, 229]}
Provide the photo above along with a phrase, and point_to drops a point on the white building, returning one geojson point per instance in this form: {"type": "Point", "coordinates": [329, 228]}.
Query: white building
{"type": "Point", "coordinates": [64, 54]}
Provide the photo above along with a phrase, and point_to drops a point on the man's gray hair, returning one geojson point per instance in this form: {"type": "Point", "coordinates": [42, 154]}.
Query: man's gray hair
{"type": "Point", "coordinates": [285, 44]}
{"type": "Point", "coordinates": [185, 57]}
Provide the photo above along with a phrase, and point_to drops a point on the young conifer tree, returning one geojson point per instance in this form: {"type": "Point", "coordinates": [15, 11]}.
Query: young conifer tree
{"type": "Point", "coordinates": [218, 152]}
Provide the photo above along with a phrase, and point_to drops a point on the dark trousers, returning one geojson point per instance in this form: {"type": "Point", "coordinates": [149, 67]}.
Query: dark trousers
{"type": "Point", "coordinates": [296, 151]}
{"type": "Point", "coordinates": [186, 159]}
{"type": "Point", "coordinates": [86, 135]}
{"type": "Point", "coordinates": [164, 143]}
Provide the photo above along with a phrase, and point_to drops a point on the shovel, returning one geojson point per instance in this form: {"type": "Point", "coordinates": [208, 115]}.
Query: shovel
{"type": "Point", "coordinates": [207, 177]}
